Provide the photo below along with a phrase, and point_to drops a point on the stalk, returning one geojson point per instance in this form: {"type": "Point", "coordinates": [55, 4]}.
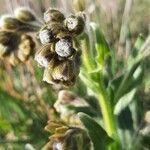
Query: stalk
{"type": "Point", "coordinates": [108, 117]}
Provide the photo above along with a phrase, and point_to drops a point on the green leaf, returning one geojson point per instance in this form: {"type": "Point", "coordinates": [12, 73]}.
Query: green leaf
{"type": "Point", "coordinates": [85, 109]}
{"type": "Point", "coordinates": [10, 105]}
{"type": "Point", "coordinates": [5, 126]}
{"type": "Point", "coordinates": [138, 44]}
{"type": "Point", "coordinates": [124, 101]}
{"type": "Point", "coordinates": [97, 134]}
{"type": "Point", "coordinates": [101, 45]}
{"type": "Point", "coordinates": [132, 78]}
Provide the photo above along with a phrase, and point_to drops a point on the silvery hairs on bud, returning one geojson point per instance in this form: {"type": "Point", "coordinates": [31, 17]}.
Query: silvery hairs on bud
{"type": "Point", "coordinates": [64, 47]}
{"type": "Point", "coordinates": [24, 14]}
{"type": "Point", "coordinates": [46, 36]}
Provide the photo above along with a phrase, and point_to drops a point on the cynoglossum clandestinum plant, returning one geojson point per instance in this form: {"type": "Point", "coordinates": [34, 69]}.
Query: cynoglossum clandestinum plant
{"type": "Point", "coordinates": [58, 54]}
{"type": "Point", "coordinates": [66, 137]}
{"type": "Point", "coordinates": [15, 44]}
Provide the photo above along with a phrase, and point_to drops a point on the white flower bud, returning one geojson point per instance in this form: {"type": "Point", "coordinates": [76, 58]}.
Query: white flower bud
{"type": "Point", "coordinates": [46, 36]}
{"type": "Point", "coordinates": [64, 48]}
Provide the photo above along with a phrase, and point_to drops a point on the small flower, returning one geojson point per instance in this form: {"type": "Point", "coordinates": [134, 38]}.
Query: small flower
{"type": "Point", "coordinates": [25, 15]}
{"type": "Point", "coordinates": [53, 15]}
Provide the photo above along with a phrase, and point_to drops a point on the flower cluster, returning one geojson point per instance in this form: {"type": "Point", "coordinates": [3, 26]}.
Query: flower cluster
{"type": "Point", "coordinates": [66, 138]}
{"type": "Point", "coordinates": [58, 54]}
{"type": "Point", "coordinates": [15, 44]}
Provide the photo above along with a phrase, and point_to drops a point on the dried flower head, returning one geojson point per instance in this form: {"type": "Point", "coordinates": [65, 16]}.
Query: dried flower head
{"type": "Point", "coordinates": [24, 14]}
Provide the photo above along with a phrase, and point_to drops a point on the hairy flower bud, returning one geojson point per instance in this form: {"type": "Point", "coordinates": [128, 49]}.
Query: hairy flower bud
{"type": "Point", "coordinates": [67, 138]}
{"type": "Point", "coordinates": [44, 55]}
{"type": "Point", "coordinates": [64, 71]}
{"type": "Point", "coordinates": [25, 47]}
{"type": "Point", "coordinates": [24, 14]}
{"type": "Point", "coordinates": [46, 36]}
{"type": "Point", "coordinates": [75, 24]}
{"type": "Point", "coordinates": [53, 15]}
{"type": "Point", "coordinates": [10, 23]}
{"type": "Point", "coordinates": [8, 42]}
{"type": "Point", "coordinates": [64, 47]}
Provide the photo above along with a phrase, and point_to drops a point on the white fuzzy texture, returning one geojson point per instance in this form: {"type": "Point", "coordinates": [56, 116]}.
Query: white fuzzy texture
{"type": "Point", "coordinates": [57, 146]}
{"type": "Point", "coordinates": [42, 61]}
{"type": "Point", "coordinates": [44, 36]}
{"type": "Point", "coordinates": [63, 48]}
{"type": "Point", "coordinates": [72, 23]}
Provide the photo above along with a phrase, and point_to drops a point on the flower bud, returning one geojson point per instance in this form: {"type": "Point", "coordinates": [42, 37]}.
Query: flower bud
{"type": "Point", "coordinates": [57, 28]}
{"type": "Point", "coordinates": [10, 23]}
{"type": "Point", "coordinates": [26, 47]}
{"type": "Point", "coordinates": [47, 76]}
{"type": "Point", "coordinates": [72, 138]}
{"type": "Point", "coordinates": [46, 36]}
{"type": "Point", "coordinates": [75, 24]}
{"type": "Point", "coordinates": [64, 47]}
{"type": "Point", "coordinates": [53, 15]}
{"type": "Point", "coordinates": [64, 71]}
{"type": "Point", "coordinates": [44, 55]}
{"type": "Point", "coordinates": [24, 14]}
{"type": "Point", "coordinates": [8, 42]}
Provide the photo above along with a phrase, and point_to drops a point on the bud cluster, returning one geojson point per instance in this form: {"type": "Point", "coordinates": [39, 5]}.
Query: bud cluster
{"type": "Point", "coordinates": [58, 54]}
{"type": "Point", "coordinates": [15, 44]}
{"type": "Point", "coordinates": [66, 138]}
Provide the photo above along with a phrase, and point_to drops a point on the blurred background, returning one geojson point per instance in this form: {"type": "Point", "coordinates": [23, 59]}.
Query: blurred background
{"type": "Point", "coordinates": [26, 102]}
